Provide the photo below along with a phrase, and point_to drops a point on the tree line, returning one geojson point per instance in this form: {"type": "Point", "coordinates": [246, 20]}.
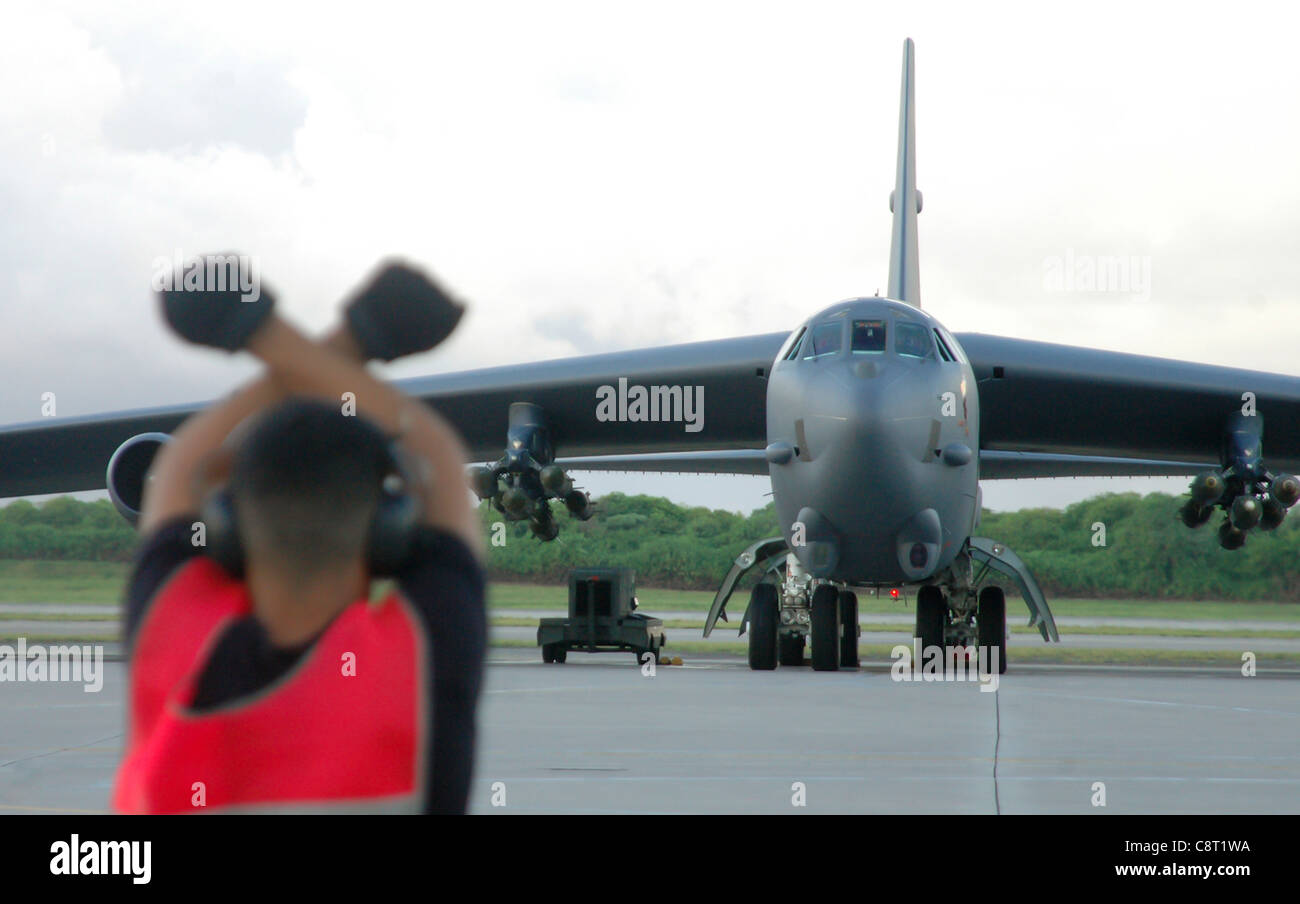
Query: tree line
{"type": "Point", "coordinates": [1112, 545]}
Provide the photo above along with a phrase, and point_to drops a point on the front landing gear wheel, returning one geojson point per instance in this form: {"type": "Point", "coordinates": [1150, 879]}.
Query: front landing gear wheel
{"type": "Point", "coordinates": [825, 629]}
{"type": "Point", "coordinates": [791, 649]}
{"type": "Point", "coordinates": [991, 625]}
{"type": "Point", "coordinates": [931, 616]}
{"type": "Point", "coordinates": [763, 616]}
{"type": "Point", "coordinates": [848, 630]}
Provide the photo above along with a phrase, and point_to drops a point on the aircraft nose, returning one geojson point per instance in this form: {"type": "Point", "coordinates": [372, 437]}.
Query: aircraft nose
{"type": "Point", "coordinates": [872, 400]}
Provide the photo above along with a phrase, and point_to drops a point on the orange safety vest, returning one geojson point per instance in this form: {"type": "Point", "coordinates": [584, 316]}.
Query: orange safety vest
{"type": "Point", "coordinates": [344, 729]}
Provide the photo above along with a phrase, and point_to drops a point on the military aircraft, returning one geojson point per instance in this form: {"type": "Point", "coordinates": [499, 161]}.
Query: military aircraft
{"type": "Point", "coordinates": [873, 421]}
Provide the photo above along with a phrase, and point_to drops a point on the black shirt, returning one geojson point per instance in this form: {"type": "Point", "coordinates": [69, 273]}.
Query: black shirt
{"type": "Point", "coordinates": [444, 584]}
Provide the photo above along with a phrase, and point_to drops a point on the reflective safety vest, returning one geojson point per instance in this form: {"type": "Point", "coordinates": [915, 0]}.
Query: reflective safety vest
{"type": "Point", "coordinates": [344, 729]}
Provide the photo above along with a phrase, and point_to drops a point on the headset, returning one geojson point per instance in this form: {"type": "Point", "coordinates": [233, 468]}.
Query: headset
{"type": "Point", "coordinates": [390, 537]}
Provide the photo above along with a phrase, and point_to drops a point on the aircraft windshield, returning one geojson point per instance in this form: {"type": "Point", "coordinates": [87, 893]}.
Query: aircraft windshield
{"type": "Point", "coordinates": [912, 340]}
{"type": "Point", "coordinates": [868, 336]}
{"type": "Point", "coordinates": [824, 340]}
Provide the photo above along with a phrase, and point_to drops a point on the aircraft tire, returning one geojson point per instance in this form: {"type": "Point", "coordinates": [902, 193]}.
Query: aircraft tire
{"type": "Point", "coordinates": [931, 615]}
{"type": "Point", "coordinates": [991, 623]}
{"type": "Point", "coordinates": [763, 618]}
{"type": "Point", "coordinates": [825, 632]}
{"type": "Point", "coordinates": [849, 630]}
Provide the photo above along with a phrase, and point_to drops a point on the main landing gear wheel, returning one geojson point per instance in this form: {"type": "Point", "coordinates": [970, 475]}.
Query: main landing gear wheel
{"type": "Point", "coordinates": [931, 615]}
{"type": "Point", "coordinates": [848, 630]}
{"type": "Point", "coordinates": [991, 624]}
{"type": "Point", "coordinates": [763, 616]}
{"type": "Point", "coordinates": [825, 629]}
{"type": "Point", "coordinates": [791, 649]}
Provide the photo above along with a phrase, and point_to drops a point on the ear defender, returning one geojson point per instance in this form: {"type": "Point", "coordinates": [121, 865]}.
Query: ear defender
{"type": "Point", "coordinates": [223, 544]}
{"type": "Point", "coordinates": [392, 530]}
{"type": "Point", "coordinates": [390, 538]}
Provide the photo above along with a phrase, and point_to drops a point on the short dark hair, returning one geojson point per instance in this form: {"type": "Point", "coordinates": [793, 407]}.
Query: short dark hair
{"type": "Point", "coordinates": [306, 480]}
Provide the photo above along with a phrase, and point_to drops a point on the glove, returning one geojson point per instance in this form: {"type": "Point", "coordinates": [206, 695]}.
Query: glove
{"type": "Point", "coordinates": [223, 315]}
{"type": "Point", "coordinates": [400, 312]}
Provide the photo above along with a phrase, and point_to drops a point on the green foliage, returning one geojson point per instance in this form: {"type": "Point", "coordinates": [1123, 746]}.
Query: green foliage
{"type": "Point", "coordinates": [65, 528]}
{"type": "Point", "coordinates": [1148, 554]}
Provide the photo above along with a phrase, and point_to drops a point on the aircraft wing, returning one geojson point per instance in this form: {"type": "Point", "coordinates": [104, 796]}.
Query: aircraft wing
{"type": "Point", "coordinates": [1051, 410]}
{"type": "Point", "coordinates": [61, 455]}
{"type": "Point", "coordinates": [1046, 411]}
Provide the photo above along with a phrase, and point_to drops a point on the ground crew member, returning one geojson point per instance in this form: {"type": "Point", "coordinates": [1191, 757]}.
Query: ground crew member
{"type": "Point", "coordinates": [261, 676]}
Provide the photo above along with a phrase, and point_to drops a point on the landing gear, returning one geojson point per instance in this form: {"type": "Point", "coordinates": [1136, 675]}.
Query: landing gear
{"type": "Point", "coordinates": [763, 617]}
{"type": "Point", "coordinates": [825, 629]}
{"type": "Point", "coordinates": [848, 630]}
{"type": "Point", "coordinates": [931, 616]}
{"type": "Point", "coordinates": [991, 621]}
{"type": "Point", "coordinates": [791, 648]}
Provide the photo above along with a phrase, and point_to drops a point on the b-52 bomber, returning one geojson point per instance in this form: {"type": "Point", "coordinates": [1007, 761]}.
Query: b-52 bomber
{"type": "Point", "coordinates": [874, 422]}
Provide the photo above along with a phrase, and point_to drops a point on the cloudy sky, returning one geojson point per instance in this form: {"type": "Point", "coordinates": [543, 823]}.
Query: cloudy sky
{"type": "Point", "coordinates": [617, 175]}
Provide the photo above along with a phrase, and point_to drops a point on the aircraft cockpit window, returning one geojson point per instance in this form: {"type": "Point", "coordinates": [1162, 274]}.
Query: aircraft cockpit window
{"type": "Point", "coordinates": [944, 351]}
{"type": "Point", "coordinates": [912, 340]}
{"type": "Point", "coordinates": [793, 350]}
{"type": "Point", "coordinates": [824, 340]}
{"type": "Point", "coordinates": [952, 345]}
{"type": "Point", "coordinates": [868, 336]}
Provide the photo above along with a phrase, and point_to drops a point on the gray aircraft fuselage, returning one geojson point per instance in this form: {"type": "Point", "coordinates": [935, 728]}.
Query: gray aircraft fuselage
{"type": "Point", "coordinates": [873, 450]}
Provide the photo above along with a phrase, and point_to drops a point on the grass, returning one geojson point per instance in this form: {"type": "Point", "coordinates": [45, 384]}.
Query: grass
{"type": "Point", "coordinates": [503, 595]}
{"type": "Point", "coordinates": [32, 581]}
{"type": "Point", "coordinates": [102, 582]}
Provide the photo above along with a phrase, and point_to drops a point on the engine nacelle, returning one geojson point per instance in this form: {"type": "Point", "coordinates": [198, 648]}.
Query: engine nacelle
{"type": "Point", "coordinates": [521, 484]}
{"type": "Point", "coordinates": [127, 469]}
{"type": "Point", "coordinates": [1242, 487]}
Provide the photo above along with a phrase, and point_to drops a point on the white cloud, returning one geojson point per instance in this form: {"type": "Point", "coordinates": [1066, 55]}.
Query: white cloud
{"type": "Point", "coordinates": [647, 174]}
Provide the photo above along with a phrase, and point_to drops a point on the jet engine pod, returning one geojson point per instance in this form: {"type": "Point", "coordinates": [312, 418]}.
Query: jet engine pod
{"type": "Point", "coordinates": [127, 469]}
{"type": "Point", "coordinates": [517, 504]}
{"type": "Point", "coordinates": [918, 544]}
{"type": "Point", "coordinates": [1286, 489]}
{"type": "Point", "coordinates": [819, 551]}
{"type": "Point", "coordinates": [483, 481]}
{"type": "Point", "coordinates": [1207, 488]}
{"type": "Point", "coordinates": [1274, 514]}
{"type": "Point", "coordinates": [1231, 537]}
{"type": "Point", "coordinates": [1246, 512]}
{"type": "Point", "coordinates": [1194, 515]}
{"type": "Point", "coordinates": [578, 503]}
{"type": "Point", "coordinates": [554, 480]}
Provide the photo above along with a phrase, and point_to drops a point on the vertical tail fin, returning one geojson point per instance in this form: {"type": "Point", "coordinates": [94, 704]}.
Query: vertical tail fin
{"type": "Point", "coordinates": [905, 200]}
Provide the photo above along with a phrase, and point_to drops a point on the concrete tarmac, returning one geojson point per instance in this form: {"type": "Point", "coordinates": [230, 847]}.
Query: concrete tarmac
{"type": "Point", "coordinates": [597, 735]}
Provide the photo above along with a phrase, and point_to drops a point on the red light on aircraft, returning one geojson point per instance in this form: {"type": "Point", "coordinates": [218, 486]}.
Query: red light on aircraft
{"type": "Point", "coordinates": [894, 593]}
